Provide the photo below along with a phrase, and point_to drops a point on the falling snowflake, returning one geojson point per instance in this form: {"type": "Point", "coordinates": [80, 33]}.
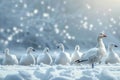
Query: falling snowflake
{"type": "Point", "coordinates": [2, 30]}
{"type": "Point", "coordinates": [35, 11]}
{"type": "Point", "coordinates": [88, 6]}
{"type": "Point", "coordinates": [25, 5]}
{"type": "Point", "coordinates": [46, 15]}
{"type": "Point", "coordinates": [42, 2]}
{"type": "Point", "coordinates": [10, 38]}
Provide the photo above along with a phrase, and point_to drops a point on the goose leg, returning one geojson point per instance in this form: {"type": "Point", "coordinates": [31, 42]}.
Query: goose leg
{"type": "Point", "coordinates": [100, 62]}
{"type": "Point", "coordinates": [92, 65]}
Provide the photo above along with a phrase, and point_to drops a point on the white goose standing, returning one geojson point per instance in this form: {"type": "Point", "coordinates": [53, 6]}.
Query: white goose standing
{"type": "Point", "coordinates": [95, 55]}
{"type": "Point", "coordinates": [76, 54]}
{"type": "Point", "coordinates": [64, 57]}
{"type": "Point", "coordinates": [112, 57]}
{"type": "Point", "coordinates": [28, 58]}
{"type": "Point", "coordinates": [9, 59]}
{"type": "Point", "coordinates": [45, 58]}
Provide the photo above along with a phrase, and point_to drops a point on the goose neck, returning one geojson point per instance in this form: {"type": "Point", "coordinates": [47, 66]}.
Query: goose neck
{"type": "Point", "coordinates": [77, 50]}
{"type": "Point", "coordinates": [111, 50]}
{"type": "Point", "coordinates": [100, 43]}
{"type": "Point", "coordinates": [28, 52]}
{"type": "Point", "coordinates": [45, 52]}
{"type": "Point", "coordinates": [62, 49]}
{"type": "Point", "coordinates": [6, 53]}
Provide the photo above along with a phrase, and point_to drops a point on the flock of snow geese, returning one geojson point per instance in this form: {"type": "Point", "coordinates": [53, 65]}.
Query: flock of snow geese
{"type": "Point", "coordinates": [92, 56]}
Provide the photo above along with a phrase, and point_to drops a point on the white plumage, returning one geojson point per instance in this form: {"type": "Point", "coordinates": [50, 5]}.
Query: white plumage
{"type": "Point", "coordinates": [112, 57]}
{"type": "Point", "coordinates": [28, 58]}
{"type": "Point", "coordinates": [63, 57]}
{"type": "Point", "coordinates": [95, 54]}
{"type": "Point", "coordinates": [45, 58]}
{"type": "Point", "coordinates": [9, 59]}
{"type": "Point", "coordinates": [76, 54]}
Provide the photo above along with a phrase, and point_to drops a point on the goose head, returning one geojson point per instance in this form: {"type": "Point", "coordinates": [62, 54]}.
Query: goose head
{"type": "Point", "coordinates": [6, 51]}
{"type": "Point", "coordinates": [112, 46]}
{"type": "Point", "coordinates": [77, 48]}
{"type": "Point", "coordinates": [46, 50]}
{"type": "Point", "coordinates": [102, 35]}
{"type": "Point", "coordinates": [30, 49]}
{"type": "Point", "coordinates": [61, 47]}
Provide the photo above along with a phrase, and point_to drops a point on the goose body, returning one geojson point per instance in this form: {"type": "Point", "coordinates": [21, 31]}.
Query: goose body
{"type": "Point", "coordinates": [96, 54]}
{"type": "Point", "coordinates": [76, 54]}
{"type": "Point", "coordinates": [63, 57]}
{"type": "Point", "coordinates": [112, 57]}
{"type": "Point", "coordinates": [28, 58]}
{"type": "Point", "coordinates": [9, 59]}
{"type": "Point", "coordinates": [45, 58]}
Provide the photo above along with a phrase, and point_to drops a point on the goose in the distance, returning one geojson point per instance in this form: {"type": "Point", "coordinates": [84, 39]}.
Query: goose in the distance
{"type": "Point", "coordinates": [28, 59]}
{"type": "Point", "coordinates": [113, 57]}
{"type": "Point", "coordinates": [45, 57]}
{"type": "Point", "coordinates": [76, 54]}
{"type": "Point", "coordinates": [95, 55]}
{"type": "Point", "coordinates": [9, 59]}
{"type": "Point", "coordinates": [63, 57]}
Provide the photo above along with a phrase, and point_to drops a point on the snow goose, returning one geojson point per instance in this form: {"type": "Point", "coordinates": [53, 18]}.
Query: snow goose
{"type": "Point", "coordinates": [63, 57]}
{"type": "Point", "coordinates": [45, 58]}
{"type": "Point", "coordinates": [112, 57]}
{"type": "Point", "coordinates": [76, 54]}
{"type": "Point", "coordinates": [9, 59]}
{"type": "Point", "coordinates": [95, 54]}
{"type": "Point", "coordinates": [28, 58]}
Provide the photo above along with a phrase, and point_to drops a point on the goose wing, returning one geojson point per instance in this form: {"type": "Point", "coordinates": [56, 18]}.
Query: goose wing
{"type": "Point", "coordinates": [89, 53]}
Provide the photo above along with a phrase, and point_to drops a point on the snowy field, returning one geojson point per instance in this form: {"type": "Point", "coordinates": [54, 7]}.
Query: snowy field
{"type": "Point", "coordinates": [45, 23]}
{"type": "Point", "coordinates": [59, 72]}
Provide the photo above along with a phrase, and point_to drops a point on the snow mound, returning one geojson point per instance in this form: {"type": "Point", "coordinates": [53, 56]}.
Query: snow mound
{"type": "Point", "coordinates": [14, 77]}
{"type": "Point", "coordinates": [59, 72]}
{"type": "Point", "coordinates": [106, 75]}
{"type": "Point", "coordinates": [61, 78]}
{"type": "Point", "coordinates": [27, 75]}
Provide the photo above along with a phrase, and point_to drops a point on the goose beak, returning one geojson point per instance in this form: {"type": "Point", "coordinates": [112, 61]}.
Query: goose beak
{"type": "Point", "coordinates": [47, 50]}
{"type": "Point", "coordinates": [34, 50]}
{"type": "Point", "coordinates": [104, 35]}
{"type": "Point", "coordinates": [57, 47]}
{"type": "Point", "coordinates": [116, 46]}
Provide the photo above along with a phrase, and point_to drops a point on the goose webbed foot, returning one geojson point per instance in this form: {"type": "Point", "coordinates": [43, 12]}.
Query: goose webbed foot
{"type": "Point", "coordinates": [77, 61]}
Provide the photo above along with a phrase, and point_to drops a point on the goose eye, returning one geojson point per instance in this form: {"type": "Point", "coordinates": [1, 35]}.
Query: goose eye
{"type": "Point", "coordinates": [33, 49]}
{"type": "Point", "coordinates": [58, 47]}
{"type": "Point", "coordinates": [104, 35]}
{"type": "Point", "coordinates": [116, 46]}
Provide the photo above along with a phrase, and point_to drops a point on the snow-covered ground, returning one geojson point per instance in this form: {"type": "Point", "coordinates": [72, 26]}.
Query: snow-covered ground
{"type": "Point", "coordinates": [59, 72]}
{"type": "Point", "coordinates": [45, 23]}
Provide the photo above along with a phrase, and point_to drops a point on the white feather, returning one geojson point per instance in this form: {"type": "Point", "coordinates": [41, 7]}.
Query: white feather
{"type": "Point", "coordinates": [76, 54]}
{"type": "Point", "coordinates": [9, 59]}
{"type": "Point", "coordinates": [63, 57]}
{"type": "Point", "coordinates": [28, 58]}
{"type": "Point", "coordinates": [112, 57]}
{"type": "Point", "coordinates": [45, 57]}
